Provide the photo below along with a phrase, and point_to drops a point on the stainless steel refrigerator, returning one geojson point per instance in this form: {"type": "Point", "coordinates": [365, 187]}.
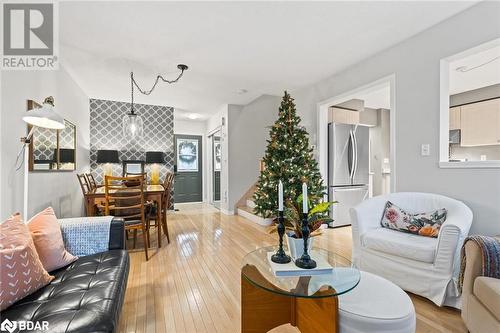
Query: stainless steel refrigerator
{"type": "Point", "coordinates": [348, 169]}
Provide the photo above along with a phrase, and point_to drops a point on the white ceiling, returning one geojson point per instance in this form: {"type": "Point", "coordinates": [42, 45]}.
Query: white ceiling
{"type": "Point", "coordinates": [263, 47]}
{"type": "Point", "coordinates": [483, 76]}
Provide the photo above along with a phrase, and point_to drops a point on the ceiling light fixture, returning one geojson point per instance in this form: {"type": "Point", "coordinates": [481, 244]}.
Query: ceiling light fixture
{"type": "Point", "coordinates": [465, 69]}
{"type": "Point", "coordinates": [132, 125]}
{"type": "Point", "coordinates": [241, 91]}
{"type": "Point", "coordinates": [193, 116]}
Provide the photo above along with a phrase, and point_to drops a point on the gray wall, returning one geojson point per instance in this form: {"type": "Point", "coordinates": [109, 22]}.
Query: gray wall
{"type": "Point", "coordinates": [57, 189]}
{"type": "Point", "coordinates": [415, 63]}
{"type": "Point", "coordinates": [247, 132]}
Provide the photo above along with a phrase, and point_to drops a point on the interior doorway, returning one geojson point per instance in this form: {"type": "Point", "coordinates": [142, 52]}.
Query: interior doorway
{"type": "Point", "coordinates": [356, 145]}
{"type": "Point", "coordinates": [215, 168]}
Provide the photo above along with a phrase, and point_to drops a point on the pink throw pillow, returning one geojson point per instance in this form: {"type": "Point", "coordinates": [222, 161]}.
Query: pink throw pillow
{"type": "Point", "coordinates": [21, 272]}
{"type": "Point", "coordinates": [47, 236]}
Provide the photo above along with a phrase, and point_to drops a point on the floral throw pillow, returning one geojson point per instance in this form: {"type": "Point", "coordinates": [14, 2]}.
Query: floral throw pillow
{"type": "Point", "coordinates": [423, 224]}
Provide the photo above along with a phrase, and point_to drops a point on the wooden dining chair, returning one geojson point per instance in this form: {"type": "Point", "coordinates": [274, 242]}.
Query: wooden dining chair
{"type": "Point", "coordinates": [168, 183]}
{"type": "Point", "coordinates": [128, 203]}
{"type": "Point", "coordinates": [84, 185]}
{"type": "Point", "coordinates": [91, 181]}
{"type": "Point", "coordinates": [165, 204]}
{"type": "Point", "coordinates": [137, 174]}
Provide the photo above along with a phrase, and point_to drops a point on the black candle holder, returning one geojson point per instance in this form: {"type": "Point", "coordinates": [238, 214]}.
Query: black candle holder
{"type": "Point", "coordinates": [305, 260]}
{"type": "Point", "coordinates": [280, 257]}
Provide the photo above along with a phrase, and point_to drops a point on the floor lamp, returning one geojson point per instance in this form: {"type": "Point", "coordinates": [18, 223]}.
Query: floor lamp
{"type": "Point", "coordinates": [44, 117]}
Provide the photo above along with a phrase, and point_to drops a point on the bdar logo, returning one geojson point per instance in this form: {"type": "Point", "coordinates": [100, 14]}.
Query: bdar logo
{"type": "Point", "coordinates": [8, 326]}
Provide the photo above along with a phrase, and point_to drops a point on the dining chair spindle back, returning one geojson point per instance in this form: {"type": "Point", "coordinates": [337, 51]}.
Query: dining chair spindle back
{"type": "Point", "coordinates": [128, 203]}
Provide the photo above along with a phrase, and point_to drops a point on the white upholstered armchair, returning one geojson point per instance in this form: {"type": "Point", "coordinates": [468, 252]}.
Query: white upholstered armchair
{"type": "Point", "coordinates": [422, 265]}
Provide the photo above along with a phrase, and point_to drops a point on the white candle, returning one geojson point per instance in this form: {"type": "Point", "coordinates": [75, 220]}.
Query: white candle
{"type": "Point", "coordinates": [304, 198]}
{"type": "Point", "coordinates": [280, 196]}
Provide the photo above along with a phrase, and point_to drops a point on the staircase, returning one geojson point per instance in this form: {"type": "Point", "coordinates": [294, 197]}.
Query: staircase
{"type": "Point", "coordinates": [245, 206]}
{"type": "Point", "coordinates": [247, 212]}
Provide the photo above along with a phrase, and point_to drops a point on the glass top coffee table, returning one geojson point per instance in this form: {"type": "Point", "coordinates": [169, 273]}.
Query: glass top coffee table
{"type": "Point", "coordinates": [308, 301]}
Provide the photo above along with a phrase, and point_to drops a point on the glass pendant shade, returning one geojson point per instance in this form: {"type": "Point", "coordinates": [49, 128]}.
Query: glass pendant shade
{"type": "Point", "coordinates": [132, 126]}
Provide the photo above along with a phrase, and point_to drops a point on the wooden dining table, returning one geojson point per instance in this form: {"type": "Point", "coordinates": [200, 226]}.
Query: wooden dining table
{"type": "Point", "coordinates": [151, 193]}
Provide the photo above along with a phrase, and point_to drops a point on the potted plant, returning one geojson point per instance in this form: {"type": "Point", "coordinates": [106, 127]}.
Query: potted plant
{"type": "Point", "coordinates": [293, 219]}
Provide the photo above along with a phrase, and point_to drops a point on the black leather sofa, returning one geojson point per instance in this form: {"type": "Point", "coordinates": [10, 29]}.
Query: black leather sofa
{"type": "Point", "coordinates": [86, 296]}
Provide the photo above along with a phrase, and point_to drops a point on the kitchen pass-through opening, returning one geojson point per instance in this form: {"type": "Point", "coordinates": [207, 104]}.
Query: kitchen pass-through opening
{"type": "Point", "coordinates": [355, 146]}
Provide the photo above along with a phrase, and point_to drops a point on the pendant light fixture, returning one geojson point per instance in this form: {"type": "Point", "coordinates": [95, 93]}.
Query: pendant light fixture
{"type": "Point", "coordinates": [132, 124]}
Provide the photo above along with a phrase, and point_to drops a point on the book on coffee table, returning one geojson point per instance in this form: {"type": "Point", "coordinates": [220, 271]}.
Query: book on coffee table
{"type": "Point", "coordinates": [289, 269]}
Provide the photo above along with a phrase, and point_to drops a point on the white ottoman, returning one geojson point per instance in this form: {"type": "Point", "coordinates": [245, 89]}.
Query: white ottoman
{"type": "Point", "coordinates": [376, 305]}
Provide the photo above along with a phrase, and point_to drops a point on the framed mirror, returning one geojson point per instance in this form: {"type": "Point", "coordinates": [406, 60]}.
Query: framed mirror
{"type": "Point", "coordinates": [52, 150]}
{"type": "Point", "coordinates": [134, 167]}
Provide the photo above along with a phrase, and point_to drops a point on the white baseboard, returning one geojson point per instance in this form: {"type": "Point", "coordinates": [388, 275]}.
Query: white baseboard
{"type": "Point", "coordinates": [254, 218]}
{"type": "Point", "coordinates": [227, 212]}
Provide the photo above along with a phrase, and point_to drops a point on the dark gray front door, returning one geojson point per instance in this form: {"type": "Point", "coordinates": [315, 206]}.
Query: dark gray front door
{"type": "Point", "coordinates": [188, 186]}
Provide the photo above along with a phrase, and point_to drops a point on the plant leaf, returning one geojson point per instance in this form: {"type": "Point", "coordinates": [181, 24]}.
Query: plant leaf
{"type": "Point", "coordinates": [299, 200]}
{"type": "Point", "coordinates": [320, 208]}
{"type": "Point", "coordinates": [315, 233]}
{"type": "Point", "coordinates": [323, 220]}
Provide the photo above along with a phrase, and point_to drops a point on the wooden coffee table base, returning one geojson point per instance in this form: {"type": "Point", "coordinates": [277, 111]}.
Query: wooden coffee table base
{"type": "Point", "coordinates": [263, 310]}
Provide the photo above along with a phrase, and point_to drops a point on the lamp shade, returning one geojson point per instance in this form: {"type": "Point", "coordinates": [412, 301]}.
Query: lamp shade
{"type": "Point", "coordinates": [66, 155]}
{"type": "Point", "coordinates": [154, 157]}
{"type": "Point", "coordinates": [107, 156]}
{"type": "Point", "coordinates": [45, 117]}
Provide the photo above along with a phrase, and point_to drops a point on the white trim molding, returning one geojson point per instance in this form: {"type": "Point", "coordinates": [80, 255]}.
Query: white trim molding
{"type": "Point", "coordinates": [226, 212]}
{"type": "Point", "coordinates": [444, 110]}
{"type": "Point", "coordinates": [322, 112]}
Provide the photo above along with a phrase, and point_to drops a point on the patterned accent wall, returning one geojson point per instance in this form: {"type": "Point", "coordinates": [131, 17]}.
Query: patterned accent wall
{"type": "Point", "coordinates": [106, 133]}
{"type": "Point", "coordinates": [44, 144]}
{"type": "Point", "coordinates": [67, 136]}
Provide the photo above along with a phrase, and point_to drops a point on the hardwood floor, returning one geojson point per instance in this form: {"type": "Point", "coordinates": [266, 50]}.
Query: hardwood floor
{"type": "Point", "coordinates": [193, 283]}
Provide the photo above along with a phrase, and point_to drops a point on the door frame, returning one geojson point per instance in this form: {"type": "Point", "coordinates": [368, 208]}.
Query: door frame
{"type": "Point", "coordinates": [322, 123]}
{"type": "Point", "coordinates": [201, 165]}
{"type": "Point", "coordinates": [210, 164]}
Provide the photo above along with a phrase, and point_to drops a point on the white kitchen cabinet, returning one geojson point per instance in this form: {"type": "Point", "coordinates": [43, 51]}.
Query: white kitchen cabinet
{"type": "Point", "coordinates": [480, 123]}
{"type": "Point", "coordinates": [455, 118]}
{"type": "Point", "coordinates": [343, 116]}
{"type": "Point", "coordinates": [368, 117]}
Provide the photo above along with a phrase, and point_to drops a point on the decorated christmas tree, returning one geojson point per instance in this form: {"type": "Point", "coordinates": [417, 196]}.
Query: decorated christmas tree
{"type": "Point", "coordinates": [288, 158]}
